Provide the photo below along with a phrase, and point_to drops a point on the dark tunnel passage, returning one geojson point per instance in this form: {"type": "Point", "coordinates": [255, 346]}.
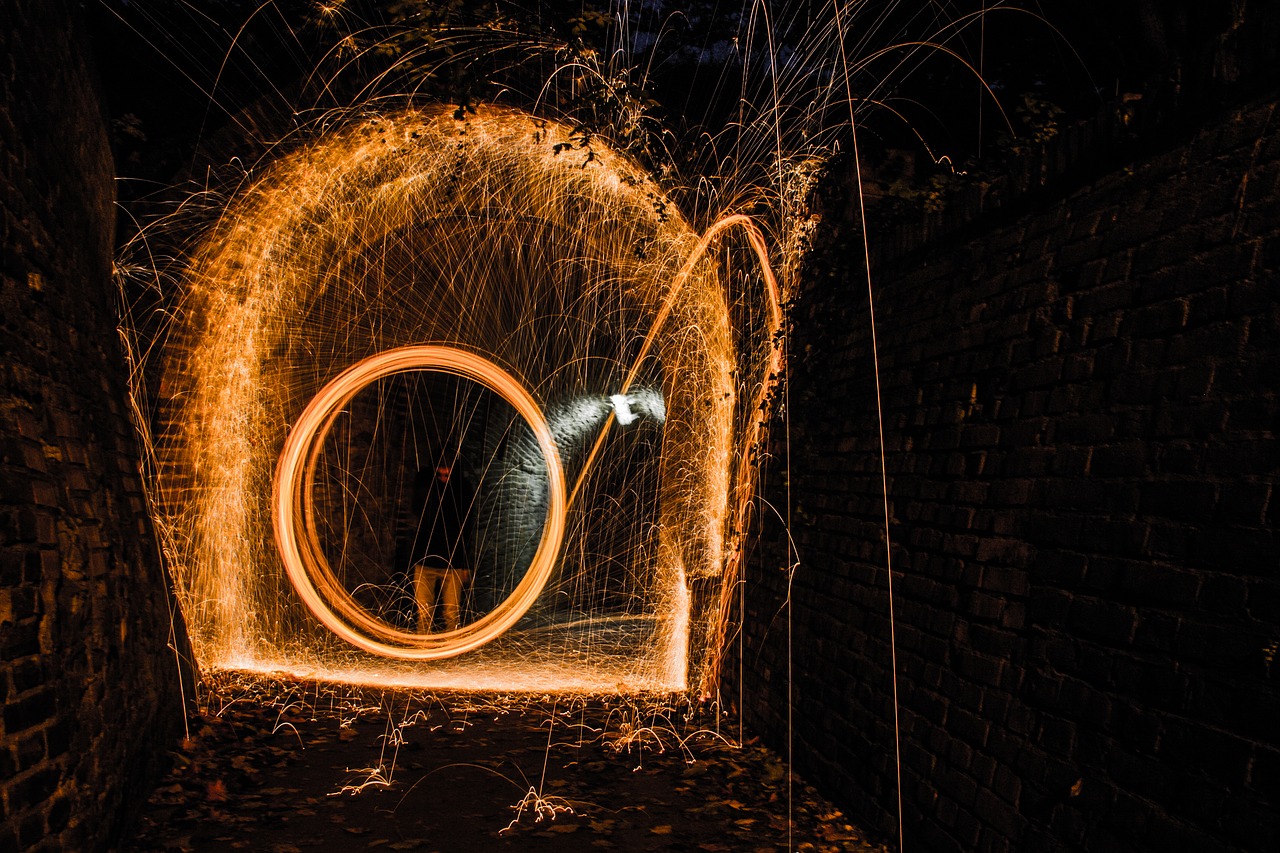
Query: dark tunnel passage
{"type": "Point", "coordinates": [1076, 365]}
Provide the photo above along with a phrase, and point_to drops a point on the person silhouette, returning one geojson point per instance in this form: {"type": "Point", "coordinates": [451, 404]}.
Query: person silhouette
{"type": "Point", "coordinates": [441, 567]}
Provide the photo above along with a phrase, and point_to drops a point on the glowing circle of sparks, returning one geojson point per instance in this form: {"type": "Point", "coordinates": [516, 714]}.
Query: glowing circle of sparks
{"type": "Point", "coordinates": [294, 522]}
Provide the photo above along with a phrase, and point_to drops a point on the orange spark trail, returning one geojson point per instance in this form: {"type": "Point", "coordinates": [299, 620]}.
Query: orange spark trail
{"type": "Point", "coordinates": [414, 275]}
{"type": "Point", "coordinates": [304, 560]}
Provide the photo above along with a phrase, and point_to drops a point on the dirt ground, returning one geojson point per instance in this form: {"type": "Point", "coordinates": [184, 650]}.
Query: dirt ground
{"type": "Point", "coordinates": [283, 767]}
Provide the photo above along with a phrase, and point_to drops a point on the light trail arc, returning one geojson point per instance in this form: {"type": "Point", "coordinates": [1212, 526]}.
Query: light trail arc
{"type": "Point", "coordinates": [305, 564]}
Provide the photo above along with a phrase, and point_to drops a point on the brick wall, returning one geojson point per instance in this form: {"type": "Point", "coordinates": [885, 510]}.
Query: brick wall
{"type": "Point", "coordinates": [1080, 396]}
{"type": "Point", "coordinates": [89, 686]}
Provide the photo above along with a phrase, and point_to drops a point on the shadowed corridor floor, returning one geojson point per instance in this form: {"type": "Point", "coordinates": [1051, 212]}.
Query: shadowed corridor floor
{"type": "Point", "coordinates": [283, 767]}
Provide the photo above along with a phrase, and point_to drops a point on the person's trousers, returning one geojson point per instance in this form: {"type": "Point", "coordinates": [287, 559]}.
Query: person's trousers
{"type": "Point", "coordinates": [434, 585]}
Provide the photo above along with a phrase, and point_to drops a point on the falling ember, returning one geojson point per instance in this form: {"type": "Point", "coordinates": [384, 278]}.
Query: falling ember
{"type": "Point", "coordinates": [494, 293]}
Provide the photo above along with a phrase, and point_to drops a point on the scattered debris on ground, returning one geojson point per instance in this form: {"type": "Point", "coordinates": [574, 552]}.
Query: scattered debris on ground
{"type": "Point", "coordinates": [287, 767]}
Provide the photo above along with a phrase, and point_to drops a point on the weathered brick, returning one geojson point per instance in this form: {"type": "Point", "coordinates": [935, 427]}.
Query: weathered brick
{"type": "Point", "coordinates": [35, 787]}
{"type": "Point", "coordinates": [20, 639]}
{"type": "Point", "coordinates": [1264, 773]}
{"type": "Point", "coordinates": [58, 738]}
{"type": "Point", "coordinates": [29, 711]}
{"type": "Point", "coordinates": [1153, 684]}
{"type": "Point", "coordinates": [59, 815]}
{"type": "Point", "coordinates": [56, 185]}
{"type": "Point", "coordinates": [1132, 585]}
{"type": "Point", "coordinates": [32, 826]}
{"type": "Point", "coordinates": [996, 643]}
{"type": "Point", "coordinates": [1092, 428]}
{"type": "Point", "coordinates": [29, 751]}
{"type": "Point", "coordinates": [1119, 460]}
{"type": "Point", "coordinates": [1148, 582]}
{"type": "Point", "coordinates": [1233, 549]}
{"type": "Point", "coordinates": [1101, 620]}
{"type": "Point", "coordinates": [1086, 703]}
{"type": "Point", "coordinates": [1156, 630]}
{"type": "Point", "coordinates": [1221, 756]}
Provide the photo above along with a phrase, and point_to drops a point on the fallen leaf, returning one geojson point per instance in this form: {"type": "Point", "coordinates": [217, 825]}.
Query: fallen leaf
{"type": "Point", "coordinates": [665, 829]}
